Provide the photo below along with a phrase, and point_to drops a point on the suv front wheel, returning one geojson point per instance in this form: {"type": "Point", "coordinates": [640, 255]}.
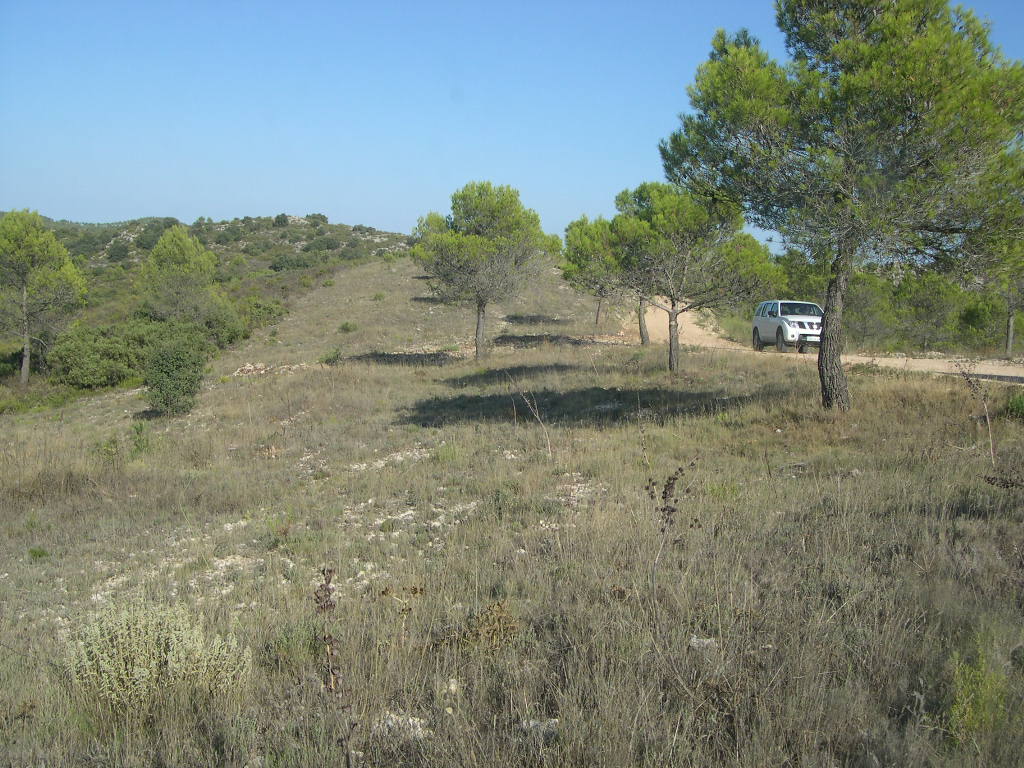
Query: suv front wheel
{"type": "Point", "coordinates": [780, 342]}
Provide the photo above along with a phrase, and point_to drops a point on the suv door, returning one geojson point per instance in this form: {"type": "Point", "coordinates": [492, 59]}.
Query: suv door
{"type": "Point", "coordinates": [758, 313]}
{"type": "Point", "coordinates": [771, 323]}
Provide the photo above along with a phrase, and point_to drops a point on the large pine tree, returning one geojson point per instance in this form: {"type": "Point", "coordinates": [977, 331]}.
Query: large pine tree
{"type": "Point", "coordinates": [874, 140]}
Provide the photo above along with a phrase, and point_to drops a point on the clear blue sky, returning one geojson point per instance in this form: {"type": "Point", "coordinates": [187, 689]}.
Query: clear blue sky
{"type": "Point", "coordinates": [370, 113]}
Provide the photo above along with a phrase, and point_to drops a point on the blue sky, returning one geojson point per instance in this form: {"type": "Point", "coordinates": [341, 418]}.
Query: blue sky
{"type": "Point", "coordinates": [370, 113]}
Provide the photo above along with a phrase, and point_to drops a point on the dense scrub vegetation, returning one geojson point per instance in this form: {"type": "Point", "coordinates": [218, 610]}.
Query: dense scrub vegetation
{"type": "Point", "coordinates": [255, 267]}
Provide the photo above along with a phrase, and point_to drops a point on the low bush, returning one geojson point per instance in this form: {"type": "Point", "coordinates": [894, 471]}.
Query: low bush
{"type": "Point", "coordinates": [119, 250]}
{"type": "Point", "coordinates": [258, 312]}
{"type": "Point", "coordinates": [222, 321]}
{"type": "Point", "coordinates": [1015, 406]}
{"type": "Point", "coordinates": [126, 658]}
{"type": "Point", "coordinates": [173, 374]}
{"type": "Point", "coordinates": [89, 358]}
{"type": "Point", "coordinates": [322, 243]}
{"type": "Point", "coordinates": [980, 693]}
{"type": "Point", "coordinates": [331, 358]}
{"type": "Point", "coordinates": [285, 258]}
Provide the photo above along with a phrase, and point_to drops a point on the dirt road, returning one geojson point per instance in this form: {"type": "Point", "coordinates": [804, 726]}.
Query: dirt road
{"type": "Point", "coordinates": [692, 334]}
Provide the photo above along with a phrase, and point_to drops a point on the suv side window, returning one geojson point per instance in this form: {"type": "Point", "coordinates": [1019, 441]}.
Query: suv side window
{"type": "Point", "coordinates": [760, 310]}
{"type": "Point", "coordinates": [773, 307]}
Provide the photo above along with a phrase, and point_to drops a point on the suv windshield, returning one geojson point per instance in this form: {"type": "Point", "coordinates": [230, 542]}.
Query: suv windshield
{"type": "Point", "coordinates": [800, 308]}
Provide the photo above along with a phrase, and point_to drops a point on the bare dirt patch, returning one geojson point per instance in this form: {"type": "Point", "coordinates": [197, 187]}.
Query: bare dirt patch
{"type": "Point", "coordinates": [691, 333]}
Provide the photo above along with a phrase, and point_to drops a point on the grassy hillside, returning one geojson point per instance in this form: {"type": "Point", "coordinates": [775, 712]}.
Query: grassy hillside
{"type": "Point", "coordinates": [511, 582]}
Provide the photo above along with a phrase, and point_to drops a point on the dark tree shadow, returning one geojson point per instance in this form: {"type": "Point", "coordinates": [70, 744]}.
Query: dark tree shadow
{"type": "Point", "coordinates": [991, 377]}
{"type": "Point", "coordinates": [536, 339]}
{"type": "Point", "coordinates": [149, 414]}
{"type": "Point", "coordinates": [427, 300]}
{"type": "Point", "coordinates": [511, 373]}
{"type": "Point", "coordinates": [406, 358]}
{"type": "Point", "coordinates": [590, 406]}
{"type": "Point", "coordinates": [535, 320]}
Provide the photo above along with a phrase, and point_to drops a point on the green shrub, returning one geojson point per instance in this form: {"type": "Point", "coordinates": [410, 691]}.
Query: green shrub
{"type": "Point", "coordinates": [88, 358]}
{"type": "Point", "coordinates": [347, 327]}
{"type": "Point", "coordinates": [283, 258]}
{"type": "Point", "coordinates": [355, 249]}
{"type": "Point", "coordinates": [222, 321]}
{"type": "Point", "coordinates": [258, 312]}
{"type": "Point", "coordinates": [980, 691]}
{"type": "Point", "coordinates": [140, 442]}
{"type": "Point", "coordinates": [153, 231]}
{"type": "Point", "coordinates": [118, 250]}
{"type": "Point", "coordinates": [322, 243]}
{"type": "Point", "coordinates": [173, 374]}
{"type": "Point", "coordinates": [331, 358]}
{"type": "Point", "coordinates": [257, 247]}
{"type": "Point", "coordinates": [125, 658]}
{"type": "Point", "coordinates": [1015, 407]}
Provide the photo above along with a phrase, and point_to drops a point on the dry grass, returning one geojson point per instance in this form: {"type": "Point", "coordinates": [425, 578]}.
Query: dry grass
{"type": "Point", "coordinates": [830, 591]}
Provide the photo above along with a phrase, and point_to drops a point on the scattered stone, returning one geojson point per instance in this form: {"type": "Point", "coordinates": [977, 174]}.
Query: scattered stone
{"type": "Point", "coordinates": [252, 369]}
{"type": "Point", "coordinates": [414, 454]}
{"type": "Point", "coordinates": [546, 729]}
{"type": "Point", "coordinates": [260, 369]}
{"type": "Point", "coordinates": [401, 727]}
{"type": "Point", "coordinates": [702, 643]}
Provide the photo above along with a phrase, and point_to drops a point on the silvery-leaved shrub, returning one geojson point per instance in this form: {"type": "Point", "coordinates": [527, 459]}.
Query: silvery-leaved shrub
{"type": "Point", "coordinates": [126, 656]}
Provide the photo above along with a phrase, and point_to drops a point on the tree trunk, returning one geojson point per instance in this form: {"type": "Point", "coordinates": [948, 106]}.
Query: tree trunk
{"type": "Point", "coordinates": [597, 317]}
{"type": "Point", "coordinates": [1011, 317]}
{"type": "Point", "coordinates": [481, 311]}
{"type": "Point", "coordinates": [673, 339]}
{"type": "Point", "coordinates": [26, 350]}
{"type": "Point", "coordinates": [835, 393]}
{"type": "Point", "coordinates": [645, 337]}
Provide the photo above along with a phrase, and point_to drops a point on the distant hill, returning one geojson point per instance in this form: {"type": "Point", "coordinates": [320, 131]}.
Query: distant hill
{"type": "Point", "coordinates": [269, 256]}
{"type": "Point", "coordinates": [263, 259]}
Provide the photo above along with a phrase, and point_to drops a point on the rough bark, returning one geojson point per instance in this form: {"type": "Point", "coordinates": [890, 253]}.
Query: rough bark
{"type": "Point", "coordinates": [481, 312]}
{"type": "Point", "coordinates": [645, 337]}
{"type": "Point", "coordinates": [673, 339]}
{"type": "Point", "coordinates": [597, 317]}
{"type": "Point", "coordinates": [26, 349]}
{"type": "Point", "coordinates": [835, 392]}
{"type": "Point", "coordinates": [1011, 316]}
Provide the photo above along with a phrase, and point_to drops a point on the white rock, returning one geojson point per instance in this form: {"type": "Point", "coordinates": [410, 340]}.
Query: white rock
{"type": "Point", "coordinates": [702, 643]}
{"type": "Point", "coordinates": [402, 727]}
{"type": "Point", "coordinates": [545, 728]}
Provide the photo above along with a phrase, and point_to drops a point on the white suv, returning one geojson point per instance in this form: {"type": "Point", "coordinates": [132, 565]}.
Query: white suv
{"type": "Point", "coordinates": [788, 324]}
